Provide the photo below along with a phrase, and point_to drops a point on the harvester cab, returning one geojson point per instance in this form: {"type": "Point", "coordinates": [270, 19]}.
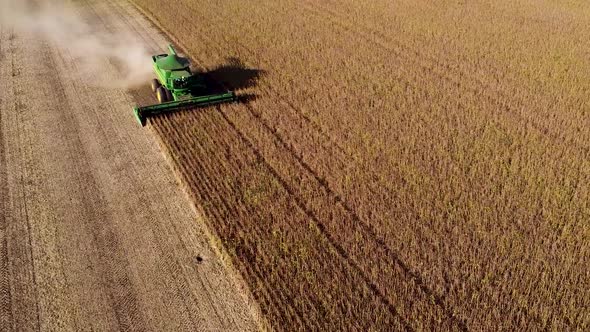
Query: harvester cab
{"type": "Point", "coordinates": [176, 87]}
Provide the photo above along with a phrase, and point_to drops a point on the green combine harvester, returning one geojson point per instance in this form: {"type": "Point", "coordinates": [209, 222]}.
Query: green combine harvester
{"type": "Point", "coordinates": [177, 87]}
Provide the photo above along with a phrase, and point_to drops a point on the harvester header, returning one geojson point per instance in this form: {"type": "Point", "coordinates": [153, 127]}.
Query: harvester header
{"type": "Point", "coordinates": [176, 87]}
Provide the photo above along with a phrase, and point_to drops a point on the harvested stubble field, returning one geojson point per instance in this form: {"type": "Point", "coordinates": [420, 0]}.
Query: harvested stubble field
{"type": "Point", "coordinates": [400, 164]}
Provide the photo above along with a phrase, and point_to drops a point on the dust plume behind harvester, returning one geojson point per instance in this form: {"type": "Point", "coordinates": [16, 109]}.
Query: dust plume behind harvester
{"type": "Point", "coordinates": [176, 87]}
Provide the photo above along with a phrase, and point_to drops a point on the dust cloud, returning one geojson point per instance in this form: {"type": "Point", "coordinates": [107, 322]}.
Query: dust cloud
{"type": "Point", "coordinates": [92, 39]}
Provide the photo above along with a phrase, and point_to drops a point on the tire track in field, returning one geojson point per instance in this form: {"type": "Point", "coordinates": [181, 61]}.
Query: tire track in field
{"type": "Point", "coordinates": [313, 216]}
{"type": "Point", "coordinates": [251, 211]}
{"type": "Point", "coordinates": [19, 253]}
{"type": "Point", "coordinates": [331, 242]}
{"type": "Point", "coordinates": [341, 251]}
{"type": "Point", "coordinates": [408, 273]}
{"type": "Point", "coordinates": [5, 285]}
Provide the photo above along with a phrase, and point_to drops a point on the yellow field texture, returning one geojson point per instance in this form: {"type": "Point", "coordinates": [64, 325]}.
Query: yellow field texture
{"type": "Point", "coordinates": [402, 165]}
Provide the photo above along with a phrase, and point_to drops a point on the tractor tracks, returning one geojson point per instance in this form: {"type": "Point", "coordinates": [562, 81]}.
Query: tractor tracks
{"type": "Point", "coordinates": [5, 291]}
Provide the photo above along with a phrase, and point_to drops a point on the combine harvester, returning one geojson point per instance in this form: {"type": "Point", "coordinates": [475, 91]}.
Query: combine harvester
{"type": "Point", "coordinates": [177, 87]}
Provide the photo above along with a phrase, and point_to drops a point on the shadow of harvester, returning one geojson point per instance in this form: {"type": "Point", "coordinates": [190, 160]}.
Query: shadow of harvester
{"type": "Point", "coordinates": [234, 75]}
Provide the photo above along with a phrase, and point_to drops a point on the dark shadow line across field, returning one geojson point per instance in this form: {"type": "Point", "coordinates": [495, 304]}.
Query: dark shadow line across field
{"type": "Point", "coordinates": [439, 301]}
{"type": "Point", "coordinates": [373, 288]}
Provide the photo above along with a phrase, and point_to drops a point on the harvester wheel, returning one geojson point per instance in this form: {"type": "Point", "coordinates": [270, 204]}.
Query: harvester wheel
{"type": "Point", "coordinates": [161, 95]}
{"type": "Point", "coordinates": [155, 85]}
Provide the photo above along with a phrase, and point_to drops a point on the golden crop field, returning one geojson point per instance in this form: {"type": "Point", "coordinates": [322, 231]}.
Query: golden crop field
{"type": "Point", "coordinates": [411, 164]}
